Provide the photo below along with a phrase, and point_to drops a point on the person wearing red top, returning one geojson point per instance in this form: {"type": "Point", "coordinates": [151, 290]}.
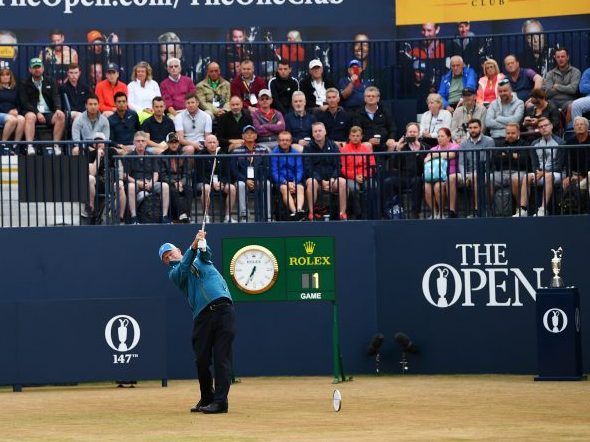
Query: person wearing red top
{"type": "Point", "coordinates": [268, 122]}
{"type": "Point", "coordinates": [357, 169]}
{"type": "Point", "coordinates": [106, 90]}
{"type": "Point", "coordinates": [175, 87]}
{"type": "Point", "coordinates": [248, 86]}
{"type": "Point", "coordinates": [487, 90]}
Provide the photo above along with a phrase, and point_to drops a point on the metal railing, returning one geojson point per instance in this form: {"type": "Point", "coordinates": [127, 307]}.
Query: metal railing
{"type": "Point", "coordinates": [400, 67]}
{"type": "Point", "coordinates": [46, 190]}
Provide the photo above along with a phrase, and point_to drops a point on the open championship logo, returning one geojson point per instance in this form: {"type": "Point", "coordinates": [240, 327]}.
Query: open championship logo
{"type": "Point", "coordinates": [481, 274]}
{"type": "Point", "coordinates": [558, 320]}
{"type": "Point", "coordinates": [122, 323]}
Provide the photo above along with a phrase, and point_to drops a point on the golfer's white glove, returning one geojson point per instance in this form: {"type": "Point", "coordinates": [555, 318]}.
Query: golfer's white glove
{"type": "Point", "coordinates": [202, 244]}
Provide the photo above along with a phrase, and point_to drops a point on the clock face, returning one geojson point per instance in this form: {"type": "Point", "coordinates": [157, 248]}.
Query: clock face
{"type": "Point", "coordinates": [254, 269]}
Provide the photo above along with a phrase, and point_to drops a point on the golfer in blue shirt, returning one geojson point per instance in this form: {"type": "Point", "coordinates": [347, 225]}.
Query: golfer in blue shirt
{"type": "Point", "coordinates": [213, 314]}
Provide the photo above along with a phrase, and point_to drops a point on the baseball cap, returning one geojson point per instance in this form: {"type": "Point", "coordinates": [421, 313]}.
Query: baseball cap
{"type": "Point", "coordinates": [35, 61]}
{"type": "Point", "coordinates": [467, 92]}
{"type": "Point", "coordinates": [249, 127]}
{"type": "Point", "coordinates": [94, 35]}
{"type": "Point", "coordinates": [98, 136]}
{"type": "Point", "coordinates": [171, 137]}
{"type": "Point", "coordinates": [419, 65]}
{"type": "Point", "coordinates": [354, 62]}
{"type": "Point", "coordinates": [315, 64]}
{"type": "Point", "coordinates": [113, 67]}
{"type": "Point", "coordinates": [264, 92]}
{"type": "Point", "coordinates": [166, 247]}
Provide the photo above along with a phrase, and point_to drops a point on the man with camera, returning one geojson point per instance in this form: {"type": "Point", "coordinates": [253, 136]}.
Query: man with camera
{"type": "Point", "coordinates": [463, 114]}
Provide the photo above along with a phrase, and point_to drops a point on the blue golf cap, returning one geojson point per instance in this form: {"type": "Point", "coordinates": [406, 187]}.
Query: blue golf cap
{"type": "Point", "coordinates": [166, 247]}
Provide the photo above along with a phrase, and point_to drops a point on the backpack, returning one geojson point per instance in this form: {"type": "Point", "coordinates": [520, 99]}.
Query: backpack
{"type": "Point", "coordinates": [149, 210]}
{"type": "Point", "coordinates": [503, 201]}
{"type": "Point", "coordinates": [393, 209]}
{"type": "Point", "coordinates": [574, 200]}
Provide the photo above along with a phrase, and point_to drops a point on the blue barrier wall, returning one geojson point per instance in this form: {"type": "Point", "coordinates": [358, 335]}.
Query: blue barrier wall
{"type": "Point", "coordinates": [60, 286]}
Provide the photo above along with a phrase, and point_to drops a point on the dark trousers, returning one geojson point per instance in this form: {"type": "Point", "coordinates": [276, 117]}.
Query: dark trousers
{"type": "Point", "coordinates": [180, 202]}
{"type": "Point", "coordinates": [213, 336]}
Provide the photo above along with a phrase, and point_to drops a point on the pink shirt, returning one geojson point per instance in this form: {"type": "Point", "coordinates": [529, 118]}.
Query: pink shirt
{"type": "Point", "coordinates": [174, 92]}
{"type": "Point", "coordinates": [453, 161]}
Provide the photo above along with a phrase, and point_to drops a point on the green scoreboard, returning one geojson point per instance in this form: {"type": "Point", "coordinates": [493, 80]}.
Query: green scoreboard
{"type": "Point", "coordinates": [280, 269]}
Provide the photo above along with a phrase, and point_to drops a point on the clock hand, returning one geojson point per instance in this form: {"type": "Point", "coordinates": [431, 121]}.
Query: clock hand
{"type": "Point", "coordinates": [251, 275]}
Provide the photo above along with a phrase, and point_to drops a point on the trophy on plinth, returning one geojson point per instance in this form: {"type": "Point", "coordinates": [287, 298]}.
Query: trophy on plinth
{"type": "Point", "coordinates": [556, 281]}
{"type": "Point", "coordinates": [122, 333]}
{"type": "Point", "coordinates": [441, 286]}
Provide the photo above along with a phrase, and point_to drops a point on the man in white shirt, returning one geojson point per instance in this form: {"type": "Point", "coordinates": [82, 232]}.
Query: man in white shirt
{"type": "Point", "coordinates": [192, 125]}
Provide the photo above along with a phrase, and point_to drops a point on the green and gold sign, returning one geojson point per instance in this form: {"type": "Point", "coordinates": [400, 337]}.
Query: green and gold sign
{"type": "Point", "coordinates": [280, 269]}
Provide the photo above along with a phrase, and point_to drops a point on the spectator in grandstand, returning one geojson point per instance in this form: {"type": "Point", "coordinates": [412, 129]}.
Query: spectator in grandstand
{"type": "Point", "coordinates": [237, 51]}
{"type": "Point", "coordinates": [170, 48]}
{"type": "Point", "coordinates": [515, 161]}
{"type": "Point", "coordinates": [74, 91]}
{"type": "Point", "coordinates": [465, 46]}
{"type": "Point", "coordinates": [282, 86]}
{"type": "Point", "coordinates": [142, 90]}
{"type": "Point", "coordinates": [143, 178]}
{"type": "Point", "coordinates": [323, 172]}
{"type": "Point", "coordinates": [466, 112]}
{"type": "Point", "coordinates": [406, 171]}
{"type": "Point", "coordinates": [58, 56]}
{"type": "Point", "coordinates": [175, 172]}
{"type": "Point", "coordinates": [578, 165]}
{"type": "Point", "coordinates": [89, 122]}
{"type": "Point", "coordinates": [361, 53]}
{"type": "Point", "coordinates": [487, 90]}
{"type": "Point", "coordinates": [431, 51]}
{"type": "Point", "coordinates": [247, 85]}
{"type": "Point", "coordinates": [106, 90]}
{"type": "Point", "coordinates": [40, 102]}
{"type": "Point", "coordinates": [192, 125]}
{"type": "Point", "coordinates": [581, 106]}
{"type": "Point", "coordinates": [536, 55]}
{"type": "Point", "coordinates": [548, 162]}
{"type": "Point", "coordinates": [9, 117]}
{"type": "Point", "coordinates": [214, 92]}
{"type": "Point", "coordinates": [315, 85]}
{"type": "Point", "coordinates": [96, 176]}
{"type": "Point", "coordinates": [522, 80]}
{"type": "Point", "coordinates": [298, 121]}
{"type": "Point", "coordinates": [420, 86]}
{"type": "Point", "coordinates": [469, 160]}
{"type": "Point", "coordinates": [103, 51]}
{"type": "Point", "coordinates": [249, 169]}
{"type": "Point", "coordinates": [433, 119]}
{"type": "Point", "coordinates": [358, 171]}
{"type": "Point", "coordinates": [377, 124]}
{"type": "Point", "coordinates": [352, 88]}
{"type": "Point", "coordinates": [430, 47]}
{"type": "Point", "coordinates": [336, 120]}
{"type": "Point", "coordinates": [454, 81]}
{"type": "Point", "coordinates": [8, 53]}
{"type": "Point", "coordinates": [221, 181]}
{"type": "Point", "coordinates": [561, 82]}
{"type": "Point", "coordinates": [539, 108]}
{"type": "Point", "coordinates": [507, 108]}
{"type": "Point", "coordinates": [293, 52]}
{"type": "Point", "coordinates": [158, 127]}
{"type": "Point", "coordinates": [287, 176]}
{"type": "Point", "coordinates": [267, 121]}
{"type": "Point", "coordinates": [175, 86]}
{"type": "Point", "coordinates": [124, 123]}
{"type": "Point", "coordinates": [231, 125]}
{"type": "Point", "coordinates": [442, 162]}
